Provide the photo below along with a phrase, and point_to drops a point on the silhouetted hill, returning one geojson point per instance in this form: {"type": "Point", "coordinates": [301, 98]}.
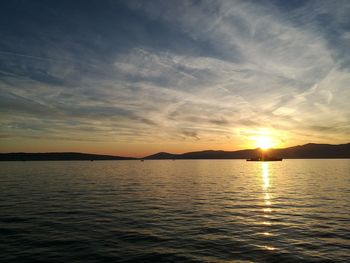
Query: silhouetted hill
{"type": "Point", "coordinates": [307, 151]}
{"type": "Point", "coordinates": [220, 154]}
{"type": "Point", "coordinates": [58, 156]}
{"type": "Point", "coordinates": [161, 156]}
{"type": "Point", "coordinates": [312, 150]}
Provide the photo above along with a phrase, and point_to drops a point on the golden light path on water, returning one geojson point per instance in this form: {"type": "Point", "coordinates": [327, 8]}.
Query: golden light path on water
{"type": "Point", "coordinates": [267, 200]}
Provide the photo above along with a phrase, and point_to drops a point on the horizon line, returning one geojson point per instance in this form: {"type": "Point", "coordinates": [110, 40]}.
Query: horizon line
{"type": "Point", "coordinates": [100, 154]}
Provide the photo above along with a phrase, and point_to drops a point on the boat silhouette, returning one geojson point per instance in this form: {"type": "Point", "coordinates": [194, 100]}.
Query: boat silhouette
{"type": "Point", "coordinates": [267, 159]}
{"type": "Point", "coordinates": [264, 158]}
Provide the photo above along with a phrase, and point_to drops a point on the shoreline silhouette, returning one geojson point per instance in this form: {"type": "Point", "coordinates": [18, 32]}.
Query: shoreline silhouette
{"type": "Point", "coordinates": [306, 151]}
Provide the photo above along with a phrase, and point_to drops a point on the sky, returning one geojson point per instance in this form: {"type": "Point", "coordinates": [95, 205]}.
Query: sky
{"type": "Point", "coordinates": [136, 77]}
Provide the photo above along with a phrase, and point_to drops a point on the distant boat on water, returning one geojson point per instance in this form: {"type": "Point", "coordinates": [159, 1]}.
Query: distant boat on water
{"type": "Point", "coordinates": [264, 157]}
{"type": "Point", "coordinates": [267, 159]}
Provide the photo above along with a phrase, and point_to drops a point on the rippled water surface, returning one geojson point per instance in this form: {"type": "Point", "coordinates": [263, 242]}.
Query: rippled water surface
{"type": "Point", "coordinates": [175, 211]}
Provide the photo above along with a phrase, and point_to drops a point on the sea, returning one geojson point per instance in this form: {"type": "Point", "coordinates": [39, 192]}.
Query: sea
{"type": "Point", "coordinates": [175, 211]}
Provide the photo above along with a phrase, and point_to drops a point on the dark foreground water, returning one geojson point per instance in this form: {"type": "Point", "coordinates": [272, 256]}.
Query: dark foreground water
{"type": "Point", "coordinates": [175, 211]}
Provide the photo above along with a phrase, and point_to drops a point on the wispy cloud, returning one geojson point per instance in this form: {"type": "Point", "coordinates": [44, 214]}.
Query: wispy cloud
{"type": "Point", "coordinates": [167, 71]}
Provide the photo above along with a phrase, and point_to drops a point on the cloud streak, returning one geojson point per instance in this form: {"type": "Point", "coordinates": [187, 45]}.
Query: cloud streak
{"type": "Point", "coordinates": [202, 72]}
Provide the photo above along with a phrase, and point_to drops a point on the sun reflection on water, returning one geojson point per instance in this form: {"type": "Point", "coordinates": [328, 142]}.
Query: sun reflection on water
{"type": "Point", "coordinates": [270, 248]}
{"type": "Point", "coordinates": [265, 175]}
{"type": "Point", "coordinates": [266, 185]}
{"type": "Point", "coordinates": [267, 200]}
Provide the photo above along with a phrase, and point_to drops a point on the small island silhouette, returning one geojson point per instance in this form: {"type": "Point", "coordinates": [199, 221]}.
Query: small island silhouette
{"type": "Point", "coordinates": [307, 151]}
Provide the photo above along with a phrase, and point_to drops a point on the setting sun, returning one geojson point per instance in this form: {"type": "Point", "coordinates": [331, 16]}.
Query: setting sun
{"type": "Point", "coordinates": [264, 142]}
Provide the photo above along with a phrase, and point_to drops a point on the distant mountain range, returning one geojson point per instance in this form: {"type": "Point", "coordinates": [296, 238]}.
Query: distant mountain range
{"type": "Point", "coordinates": [307, 151]}
{"type": "Point", "coordinates": [59, 156]}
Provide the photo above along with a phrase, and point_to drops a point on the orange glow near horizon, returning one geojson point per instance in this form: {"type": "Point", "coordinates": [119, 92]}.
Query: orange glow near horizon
{"type": "Point", "coordinates": [263, 138]}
